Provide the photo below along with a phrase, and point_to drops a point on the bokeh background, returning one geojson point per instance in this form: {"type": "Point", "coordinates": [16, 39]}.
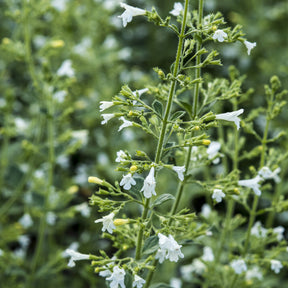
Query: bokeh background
{"type": "Point", "coordinates": [44, 197]}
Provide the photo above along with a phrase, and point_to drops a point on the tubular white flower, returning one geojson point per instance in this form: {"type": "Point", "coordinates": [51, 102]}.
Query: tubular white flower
{"type": "Point", "coordinates": [140, 92]}
{"type": "Point", "coordinates": [231, 116]}
{"type": "Point", "coordinates": [75, 256]}
{"type": "Point", "coordinates": [138, 282]}
{"type": "Point", "coordinates": [106, 118]}
{"type": "Point", "coordinates": [276, 266]}
{"type": "Point", "coordinates": [149, 185]}
{"type": "Point", "coordinates": [218, 195]}
{"type": "Point", "coordinates": [125, 124]}
{"type": "Point", "coordinates": [127, 181]}
{"type": "Point", "coordinates": [105, 105]}
{"type": "Point", "coordinates": [129, 13]}
{"type": "Point", "coordinates": [121, 156]}
{"type": "Point", "coordinates": [249, 46]}
{"type": "Point", "coordinates": [177, 8]}
{"type": "Point", "coordinates": [66, 69]}
{"type": "Point", "coordinates": [219, 35]}
{"type": "Point", "coordinates": [169, 249]}
{"type": "Point", "coordinates": [208, 255]}
{"type": "Point", "coordinates": [258, 230]}
{"type": "Point", "coordinates": [238, 266]}
{"type": "Point", "coordinates": [180, 171]}
{"type": "Point", "coordinates": [252, 183]}
{"type": "Point", "coordinates": [266, 173]}
{"type": "Point", "coordinates": [117, 277]}
{"type": "Point", "coordinates": [206, 211]}
{"type": "Point", "coordinates": [107, 223]}
{"type": "Point", "coordinates": [279, 232]}
{"type": "Point", "coordinates": [213, 150]}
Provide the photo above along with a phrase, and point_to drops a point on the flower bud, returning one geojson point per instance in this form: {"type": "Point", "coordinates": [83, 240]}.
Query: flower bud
{"type": "Point", "coordinates": [95, 180]}
{"type": "Point", "coordinates": [133, 168]}
{"type": "Point", "coordinates": [119, 222]}
{"type": "Point", "coordinates": [57, 44]}
{"type": "Point", "coordinates": [206, 142]}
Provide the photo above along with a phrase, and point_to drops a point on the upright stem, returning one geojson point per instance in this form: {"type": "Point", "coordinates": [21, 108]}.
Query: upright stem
{"type": "Point", "coordinates": [256, 198]}
{"type": "Point", "coordinates": [164, 125]}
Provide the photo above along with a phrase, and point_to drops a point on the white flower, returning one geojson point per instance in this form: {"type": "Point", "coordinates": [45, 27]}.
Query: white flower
{"type": "Point", "coordinates": [249, 46]}
{"type": "Point", "coordinates": [231, 116]}
{"type": "Point", "coordinates": [125, 124]}
{"type": "Point", "coordinates": [276, 266]}
{"type": "Point", "coordinates": [138, 282]}
{"type": "Point", "coordinates": [208, 255]}
{"type": "Point", "coordinates": [238, 266]}
{"type": "Point", "coordinates": [121, 156]}
{"type": "Point", "coordinates": [127, 181]}
{"type": "Point", "coordinates": [73, 246]}
{"type": "Point", "coordinates": [26, 221]}
{"type": "Point", "coordinates": [266, 173]}
{"type": "Point", "coordinates": [252, 183]}
{"type": "Point", "coordinates": [81, 135]}
{"type": "Point", "coordinates": [105, 105]}
{"type": "Point", "coordinates": [177, 8]}
{"type": "Point", "coordinates": [149, 185]}
{"type": "Point", "coordinates": [59, 96]}
{"type": "Point", "coordinates": [21, 124]}
{"type": "Point", "coordinates": [66, 69]}
{"type": "Point", "coordinates": [51, 218]}
{"type": "Point", "coordinates": [213, 150]}
{"type": "Point", "coordinates": [197, 267]}
{"type": "Point", "coordinates": [106, 118]}
{"type": "Point", "coordinates": [59, 5]}
{"type": "Point", "coordinates": [258, 230]}
{"type": "Point", "coordinates": [175, 283]}
{"type": "Point", "coordinates": [107, 223]}
{"type": "Point", "coordinates": [139, 92]}
{"type": "Point", "coordinates": [169, 249]}
{"type": "Point", "coordinates": [254, 273]}
{"type": "Point", "coordinates": [129, 13]}
{"type": "Point", "coordinates": [219, 35]}
{"type": "Point", "coordinates": [84, 209]}
{"type": "Point", "coordinates": [75, 256]}
{"type": "Point", "coordinates": [218, 195]}
{"type": "Point", "coordinates": [206, 211]}
{"type": "Point", "coordinates": [279, 231]}
{"type": "Point", "coordinates": [24, 241]}
{"type": "Point", "coordinates": [180, 171]}
{"type": "Point", "coordinates": [1, 252]}
{"type": "Point", "coordinates": [117, 278]}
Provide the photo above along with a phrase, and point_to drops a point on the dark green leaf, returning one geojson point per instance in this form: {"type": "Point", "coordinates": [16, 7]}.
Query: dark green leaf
{"type": "Point", "coordinates": [177, 115]}
{"type": "Point", "coordinates": [150, 245]}
{"type": "Point", "coordinates": [186, 106]}
{"type": "Point", "coordinates": [163, 198]}
{"type": "Point", "coordinates": [158, 107]}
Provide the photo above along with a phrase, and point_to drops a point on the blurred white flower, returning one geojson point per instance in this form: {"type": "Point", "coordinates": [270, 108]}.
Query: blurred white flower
{"type": "Point", "coordinates": [175, 283]}
{"type": "Point", "coordinates": [24, 241]}
{"type": "Point", "coordinates": [219, 35]}
{"type": "Point", "coordinates": [117, 278]}
{"type": "Point", "coordinates": [59, 5]}
{"type": "Point", "coordinates": [177, 8]}
{"type": "Point", "coordinates": [83, 46]}
{"type": "Point", "coordinates": [169, 249]}
{"type": "Point", "coordinates": [121, 156]}
{"type": "Point", "coordinates": [75, 256]}
{"type": "Point", "coordinates": [206, 211]}
{"type": "Point", "coordinates": [105, 105]}
{"type": "Point", "coordinates": [106, 118]}
{"type": "Point", "coordinates": [138, 282]}
{"type": "Point", "coordinates": [258, 230]}
{"type": "Point", "coordinates": [213, 150]}
{"type": "Point", "coordinates": [218, 195]}
{"type": "Point", "coordinates": [51, 218]}
{"type": "Point", "coordinates": [21, 124]}
{"type": "Point", "coordinates": [66, 69]}
{"type": "Point", "coordinates": [125, 124]}
{"type": "Point", "coordinates": [254, 273]}
{"type": "Point", "coordinates": [208, 255]}
{"type": "Point", "coordinates": [231, 116]}
{"type": "Point", "coordinates": [249, 46]}
{"type": "Point", "coordinates": [107, 223]}
{"type": "Point", "coordinates": [26, 221]}
{"type": "Point", "coordinates": [81, 135]}
{"type": "Point", "coordinates": [252, 183]}
{"type": "Point", "coordinates": [279, 232]}
{"type": "Point", "coordinates": [39, 41]}
{"type": "Point", "coordinates": [1, 252]}
{"type": "Point", "coordinates": [127, 181]}
{"type": "Point", "coordinates": [59, 96]}
{"type": "Point", "coordinates": [149, 185]}
{"type": "Point", "coordinates": [276, 266]}
{"type": "Point", "coordinates": [84, 209]}
{"type": "Point", "coordinates": [180, 171]}
{"type": "Point", "coordinates": [266, 173]}
{"type": "Point", "coordinates": [129, 13]}
{"type": "Point", "coordinates": [140, 92]}
{"type": "Point", "coordinates": [238, 266]}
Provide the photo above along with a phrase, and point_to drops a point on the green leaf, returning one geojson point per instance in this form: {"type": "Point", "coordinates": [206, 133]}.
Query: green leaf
{"type": "Point", "coordinates": [176, 115]}
{"type": "Point", "coordinates": [186, 106]}
{"type": "Point", "coordinates": [135, 190]}
{"type": "Point", "coordinates": [158, 107]}
{"type": "Point", "coordinates": [160, 285]}
{"type": "Point", "coordinates": [150, 245]}
{"type": "Point", "coordinates": [163, 198]}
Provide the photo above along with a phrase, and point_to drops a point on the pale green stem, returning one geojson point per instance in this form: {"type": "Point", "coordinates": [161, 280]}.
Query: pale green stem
{"type": "Point", "coordinates": [164, 126]}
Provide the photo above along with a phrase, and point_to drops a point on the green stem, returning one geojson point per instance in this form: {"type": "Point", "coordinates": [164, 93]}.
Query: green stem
{"type": "Point", "coordinates": [256, 198]}
{"type": "Point", "coordinates": [164, 126]}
